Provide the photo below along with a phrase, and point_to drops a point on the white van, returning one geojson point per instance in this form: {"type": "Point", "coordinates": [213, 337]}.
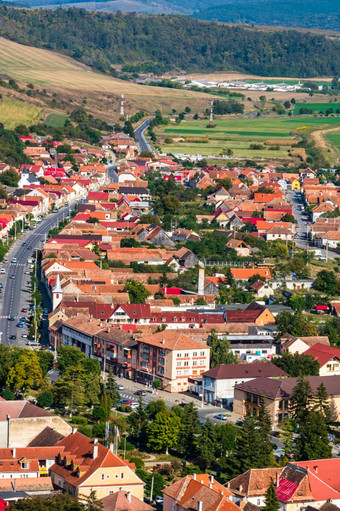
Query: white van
{"type": "Point", "coordinates": [33, 343]}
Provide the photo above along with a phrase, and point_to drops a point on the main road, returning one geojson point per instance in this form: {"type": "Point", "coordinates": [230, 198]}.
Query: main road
{"type": "Point", "coordinates": [16, 282]}
{"type": "Point", "coordinates": [141, 140]}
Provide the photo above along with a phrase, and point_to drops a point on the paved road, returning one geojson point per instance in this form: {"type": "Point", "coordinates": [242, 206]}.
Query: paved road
{"type": "Point", "coordinates": [302, 220]}
{"type": "Point", "coordinates": [139, 132]}
{"type": "Point", "coordinates": [17, 291]}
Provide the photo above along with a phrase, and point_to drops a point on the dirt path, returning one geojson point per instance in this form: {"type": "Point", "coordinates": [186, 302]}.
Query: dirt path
{"type": "Point", "coordinates": [323, 144]}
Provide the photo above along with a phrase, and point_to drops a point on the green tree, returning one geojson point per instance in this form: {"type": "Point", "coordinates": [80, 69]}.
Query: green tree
{"type": "Point", "coordinates": [155, 407]}
{"type": "Point", "coordinates": [91, 502]}
{"type": "Point", "coordinates": [247, 453]}
{"type": "Point", "coordinates": [9, 177]}
{"type": "Point", "coordinates": [67, 356]}
{"type": "Point", "coordinates": [69, 389]}
{"type": "Point", "coordinates": [138, 421]}
{"type": "Point", "coordinates": [99, 413]}
{"type": "Point", "coordinates": [137, 291]}
{"type": "Point", "coordinates": [301, 400]}
{"type": "Point", "coordinates": [45, 360]}
{"type": "Point", "coordinates": [297, 302]}
{"type": "Point", "coordinates": [189, 428]}
{"type": "Point", "coordinates": [111, 388]}
{"type": "Point", "coordinates": [321, 402]}
{"type": "Point", "coordinates": [105, 403]}
{"type": "Point", "coordinates": [297, 365]}
{"type": "Point", "coordinates": [220, 351]}
{"type": "Point", "coordinates": [287, 430]}
{"type": "Point", "coordinates": [271, 502]}
{"type": "Point", "coordinates": [8, 395]}
{"type": "Point", "coordinates": [206, 445]}
{"type": "Point", "coordinates": [158, 481]}
{"type": "Point", "coordinates": [312, 442]}
{"type": "Point", "coordinates": [326, 282]}
{"type": "Point", "coordinates": [26, 372]}
{"type": "Point", "coordinates": [55, 502]}
{"type": "Point", "coordinates": [163, 431]}
{"type": "Point", "coordinates": [45, 399]}
{"type": "Point", "coordinates": [92, 388]}
{"type": "Point", "coordinates": [265, 433]}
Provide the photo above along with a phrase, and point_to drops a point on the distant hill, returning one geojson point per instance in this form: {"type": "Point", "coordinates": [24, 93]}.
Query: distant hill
{"type": "Point", "coordinates": [321, 14]}
{"type": "Point", "coordinates": [170, 43]}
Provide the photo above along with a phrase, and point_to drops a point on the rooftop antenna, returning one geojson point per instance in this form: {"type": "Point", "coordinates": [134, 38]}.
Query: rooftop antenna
{"type": "Point", "coordinates": [121, 115]}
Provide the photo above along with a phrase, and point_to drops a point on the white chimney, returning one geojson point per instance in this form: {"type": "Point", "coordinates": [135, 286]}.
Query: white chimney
{"type": "Point", "coordinates": [194, 477]}
{"type": "Point", "coordinates": [95, 449]}
{"type": "Point", "coordinates": [111, 447]}
{"type": "Point", "coordinates": [128, 496]}
{"type": "Point", "coordinates": [200, 286]}
{"type": "Point", "coordinates": [212, 479]}
{"type": "Point", "coordinates": [74, 430]}
{"type": "Point", "coordinates": [14, 451]}
{"type": "Point", "coordinates": [199, 505]}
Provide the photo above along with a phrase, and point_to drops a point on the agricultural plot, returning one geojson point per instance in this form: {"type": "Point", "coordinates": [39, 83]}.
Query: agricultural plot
{"type": "Point", "coordinates": [56, 120]}
{"type": "Point", "coordinates": [318, 107]}
{"type": "Point", "coordinates": [334, 138]}
{"type": "Point", "coordinates": [238, 135]}
{"type": "Point", "coordinates": [14, 112]}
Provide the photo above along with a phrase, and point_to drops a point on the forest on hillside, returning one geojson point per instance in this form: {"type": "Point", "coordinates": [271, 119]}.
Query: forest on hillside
{"type": "Point", "coordinates": [287, 13]}
{"type": "Point", "coordinates": [103, 40]}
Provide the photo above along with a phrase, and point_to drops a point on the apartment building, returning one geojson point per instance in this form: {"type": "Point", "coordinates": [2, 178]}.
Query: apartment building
{"type": "Point", "coordinates": [172, 358]}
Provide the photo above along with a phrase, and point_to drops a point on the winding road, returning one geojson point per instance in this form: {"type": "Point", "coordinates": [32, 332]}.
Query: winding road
{"type": "Point", "coordinates": [141, 140]}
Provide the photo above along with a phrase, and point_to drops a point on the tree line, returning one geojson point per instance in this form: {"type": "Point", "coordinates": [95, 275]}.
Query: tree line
{"type": "Point", "coordinates": [178, 42]}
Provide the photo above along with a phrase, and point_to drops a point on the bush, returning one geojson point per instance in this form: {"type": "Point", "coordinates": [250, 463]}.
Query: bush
{"type": "Point", "coordinates": [82, 421]}
{"type": "Point", "coordinates": [124, 408]}
{"type": "Point", "coordinates": [86, 430]}
{"type": "Point", "coordinates": [98, 430]}
{"type": "Point", "coordinates": [98, 413]}
{"type": "Point", "coordinates": [137, 461]}
{"type": "Point", "coordinates": [8, 395]}
{"type": "Point", "coordinates": [45, 399]}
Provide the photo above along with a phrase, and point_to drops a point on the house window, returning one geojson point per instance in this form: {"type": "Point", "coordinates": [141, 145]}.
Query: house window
{"type": "Point", "coordinates": [179, 363]}
{"type": "Point", "coordinates": [161, 370]}
{"type": "Point", "coordinates": [186, 363]}
{"type": "Point", "coordinates": [259, 502]}
{"type": "Point", "coordinates": [186, 355]}
{"type": "Point", "coordinates": [122, 475]}
{"type": "Point", "coordinates": [103, 476]}
{"type": "Point", "coordinates": [194, 354]}
{"type": "Point", "coordinates": [24, 466]}
{"type": "Point", "coordinates": [161, 361]}
{"type": "Point", "coordinates": [194, 363]}
{"type": "Point", "coordinates": [202, 354]}
{"type": "Point", "coordinates": [248, 396]}
{"type": "Point", "coordinates": [179, 373]}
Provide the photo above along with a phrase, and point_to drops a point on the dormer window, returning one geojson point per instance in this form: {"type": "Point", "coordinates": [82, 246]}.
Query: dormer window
{"type": "Point", "coordinates": [25, 465]}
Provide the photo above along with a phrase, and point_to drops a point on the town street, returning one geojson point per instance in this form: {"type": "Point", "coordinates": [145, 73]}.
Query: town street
{"type": "Point", "coordinates": [141, 140]}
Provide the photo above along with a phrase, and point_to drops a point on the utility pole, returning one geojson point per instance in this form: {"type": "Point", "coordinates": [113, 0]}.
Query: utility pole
{"type": "Point", "coordinates": [202, 404]}
{"type": "Point", "coordinates": [151, 490]}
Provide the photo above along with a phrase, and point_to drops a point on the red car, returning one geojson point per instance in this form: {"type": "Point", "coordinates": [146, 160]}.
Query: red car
{"type": "Point", "coordinates": [24, 310]}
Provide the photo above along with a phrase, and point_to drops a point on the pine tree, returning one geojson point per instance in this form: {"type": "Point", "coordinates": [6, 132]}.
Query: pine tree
{"type": "Point", "coordinates": [271, 502]}
{"type": "Point", "coordinates": [247, 453]}
{"type": "Point", "coordinates": [301, 400]}
{"type": "Point", "coordinates": [105, 403]}
{"type": "Point", "coordinates": [321, 402]}
{"type": "Point", "coordinates": [138, 421]}
{"type": "Point", "coordinates": [265, 432]}
{"type": "Point", "coordinates": [287, 435]}
{"type": "Point", "coordinates": [111, 388]}
{"type": "Point", "coordinates": [189, 429]}
{"type": "Point", "coordinates": [206, 445]}
{"type": "Point", "coordinates": [312, 442]}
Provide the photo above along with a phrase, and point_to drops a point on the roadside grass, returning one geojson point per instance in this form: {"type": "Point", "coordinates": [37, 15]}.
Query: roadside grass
{"type": "Point", "coordinates": [14, 112]}
{"type": "Point", "coordinates": [56, 120]}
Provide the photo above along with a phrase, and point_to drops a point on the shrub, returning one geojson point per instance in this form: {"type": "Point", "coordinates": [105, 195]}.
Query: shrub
{"type": "Point", "coordinates": [124, 408]}
{"type": "Point", "coordinates": [8, 395]}
{"type": "Point", "coordinates": [137, 461]}
{"type": "Point", "coordinates": [86, 430]}
{"type": "Point", "coordinates": [45, 399]}
{"type": "Point", "coordinates": [82, 421]}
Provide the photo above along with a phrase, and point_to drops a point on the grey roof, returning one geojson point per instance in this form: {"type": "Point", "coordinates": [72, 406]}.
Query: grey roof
{"type": "Point", "coordinates": [133, 190]}
{"type": "Point", "coordinates": [254, 370]}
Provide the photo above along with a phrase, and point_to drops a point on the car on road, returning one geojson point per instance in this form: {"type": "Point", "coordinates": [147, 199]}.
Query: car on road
{"type": "Point", "coordinates": [3, 271]}
{"type": "Point", "coordinates": [125, 402]}
{"type": "Point", "coordinates": [1, 285]}
{"type": "Point", "coordinates": [140, 393]}
{"type": "Point", "coordinates": [24, 336]}
{"type": "Point", "coordinates": [13, 336]}
{"type": "Point", "coordinates": [5, 261]}
{"type": "Point", "coordinates": [12, 276]}
{"type": "Point", "coordinates": [14, 260]}
{"type": "Point", "coordinates": [24, 243]}
{"type": "Point", "coordinates": [20, 325]}
{"type": "Point", "coordinates": [24, 310]}
{"type": "Point", "coordinates": [120, 387]}
{"type": "Point", "coordinates": [221, 416]}
{"type": "Point", "coordinates": [46, 310]}
{"type": "Point", "coordinates": [296, 235]}
{"type": "Point", "coordinates": [27, 272]}
{"type": "Point", "coordinates": [159, 501]}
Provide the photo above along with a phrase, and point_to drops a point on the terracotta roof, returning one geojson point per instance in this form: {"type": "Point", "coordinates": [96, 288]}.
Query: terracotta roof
{"type": "Point", "coordinates": [323, 478]}
{"type": "Point", "coordinates": [20, 410]}
{"type": "Point", "coordinates": [253, 482]}
{"type": "Point", "coordinates": [172, 340]}
{"type": "Point", "coordinates": [254, 370]}
{"type": "Point", "coordinates": [323, 353]}
{"type": "Point", "coordinates": [48, 436]}
{"type": "Point", "coordinates": [246, 273]}
{"type": "Point", "coordinates": [120, 501]}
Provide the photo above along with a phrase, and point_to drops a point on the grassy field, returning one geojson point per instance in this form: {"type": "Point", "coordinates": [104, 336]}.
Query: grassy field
{"type": "Point", "coordinates": [14, 112]}
{"type": "Point", "coordinates": [64, 75]}
{"type": "Point", "coordinates": [317, 107]}
{"type": "Point", "coordinates": [56, 120]}
{"type": "Point", "coordinates": [238, 133]}
{"type": "Point", "coordinates": [334, 138]}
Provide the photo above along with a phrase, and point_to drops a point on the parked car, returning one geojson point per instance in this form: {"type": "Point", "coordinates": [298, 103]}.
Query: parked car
{"type": "Point", "coordinates": [120, 387]}
{"type": "Point", "coordinates": [3, 271]}
{"type": "Point", "coordinates": [14, 260]}
{"type": "Point", "coordinates": [20, 325]}
{"type": "Point", "coordinates": [46, 310]}
{"type": "Point", "coordinates": [24, 310]}
{"type": "Point", "coordinates": [24, 336]}
{"type": "Point", "coordinates": [221, 417]}
{"type": "Point", "coordinates": [13, 336]}
{"type": "Point", "coordinates": [296, 235]}
{"type": "Point", "coordinates": [159, 501]}
{"type": "Point", "coordinates": [140, 393]}
{"type": "Point", "coordinates": [125, 402]}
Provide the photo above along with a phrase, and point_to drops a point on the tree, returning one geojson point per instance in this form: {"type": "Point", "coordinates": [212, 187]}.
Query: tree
{"type": "Point", "coordinates": [92, 388]}
{"type": "Point", "coordinates": [45, 360]}
{"type": "Point", "coordinates": [163, 431]}
{"type": "Point", "coordinates": [55, 502]}
{"type": "Point", "coordinates": [9, 177]}
{"type": "Point", "coordinates": [105, 403]}
{"type": "Point", "coordinates": [206, 445]}
{"type": "Point", "coordinates": [287, 429]}
{"type": "Point", "coordinates": [155, 407]}
{"type": "Point", "coordinates": [91, 502]}
{"type": "Point", "coordinates": [189, 428]}
{"type": "Point", "coordinates": [247, 453]}
{"type": "Point", "coordinates": [301, 400]}
{"type": "Point", "coordinates": [98, 413]}
{"type": "Point", "coordinates": [158, 481]}
{"type": "Point", "coordinates": [271, 502]}
{"type": "Point", "coordinates": [321, 405]}
{"type": "Point", "coordinates": [138, 421]}
{"type": "Point", "coordinates": [26, 372]}
{"type": "Point", "coordinates": [137, 291]}
{"type": "Point", "coordinates": [8, 395]}
{"type": "Point", "coordinates": [265, 432]}
{"type": "Point", "coordinates": [111, 388]}
{"type": "Point", "coordinates": [69, 389]}
{"type": "Point", "coordinates": [297, 302]}
{"type": "Point", "coordinates": [313, 442]}
{"type": "Point", "coordinates": [67, 356]}
{"type": "Point", "coordinates": [326, 282]}
{"type": "Point", "coordinates": [45, 399]}
{"type": "Point", "coordinates": [220, 351]}
{"type": "Point", "coordinates": [297, 365]}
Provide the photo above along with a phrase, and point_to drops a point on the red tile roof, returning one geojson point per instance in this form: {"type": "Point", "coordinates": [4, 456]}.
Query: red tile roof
{"type": "Point", "coordinates": [323, 353]}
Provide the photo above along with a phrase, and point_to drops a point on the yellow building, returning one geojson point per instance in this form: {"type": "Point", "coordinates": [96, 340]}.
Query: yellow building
{"type": "Point", "coordinates": [84, 465]}
{"type": "Point", "coordinates": [295, 184]}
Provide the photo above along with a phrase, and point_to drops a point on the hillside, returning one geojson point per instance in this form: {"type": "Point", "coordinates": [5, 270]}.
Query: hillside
{"type": "Point", "coordinates": [288, 13]}
{"type": "Point", "coordinates": [67, 83]}
{"type": "Point", "coordinates": [103, 40]}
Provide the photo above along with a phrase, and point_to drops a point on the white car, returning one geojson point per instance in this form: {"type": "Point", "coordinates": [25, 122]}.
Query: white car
{"type": "Point", "coordinates": [2, 271]}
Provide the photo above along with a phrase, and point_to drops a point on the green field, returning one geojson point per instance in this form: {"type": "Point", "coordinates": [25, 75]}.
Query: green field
{"type": "Point", "coordinates": [14, 112]}
{"type": "Point", "coordinates": [334, 138]}
{"type": "Point", "coordinates": [238, 133]}
{"type": "Point", "coordinates": [317, 107]}
{"type": "Point", "coordinates": [56, 120]}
